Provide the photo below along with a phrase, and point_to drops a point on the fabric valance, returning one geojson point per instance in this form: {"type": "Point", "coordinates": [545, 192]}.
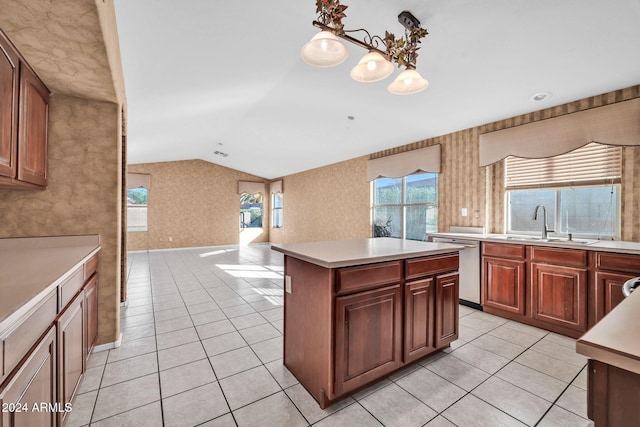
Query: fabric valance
{"type": "Point", "coordinates": [250, 187]}
{"type": "Point", "coordinates": [398, 165]}
{"type": "Point", "coordinates": [614, 124]}
{"type": "Point", "coordinates": [137, 180]}
{"type": "Point", "coordinates": [276, 186]}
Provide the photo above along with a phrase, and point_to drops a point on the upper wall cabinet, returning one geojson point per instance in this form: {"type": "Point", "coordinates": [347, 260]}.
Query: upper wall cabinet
{"type": "Point", "coordinates": [24, 116]}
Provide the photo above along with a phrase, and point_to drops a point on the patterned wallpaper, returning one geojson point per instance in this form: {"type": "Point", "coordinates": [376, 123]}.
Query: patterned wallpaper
{"type": "Point", "coordinates": [328, 203]}
{"type": "Point", "coordinates": [463, 183]}
{"type": "Point", "coordinates": [194, 202]}
{"type": "Point", "coordinates": [82, 196]}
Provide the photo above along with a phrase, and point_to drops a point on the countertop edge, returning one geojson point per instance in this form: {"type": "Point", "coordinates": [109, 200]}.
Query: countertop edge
{"type": "Point", "coordinates": [363, 260]}
{"type": "Point", "coordinates": [597, 246]}
{"type": "Point", "coordinates": [17, 315]}
{"type": "Point", "coordinates": [608, 356]}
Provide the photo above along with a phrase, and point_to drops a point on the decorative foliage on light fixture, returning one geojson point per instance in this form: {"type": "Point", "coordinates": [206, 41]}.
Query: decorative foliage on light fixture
{"type": "Point", "coordinates": [326, 51]}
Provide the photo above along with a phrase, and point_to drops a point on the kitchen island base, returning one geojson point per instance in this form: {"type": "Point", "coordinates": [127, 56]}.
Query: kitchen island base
{"type": "Point", "coordinates": [347, 327]}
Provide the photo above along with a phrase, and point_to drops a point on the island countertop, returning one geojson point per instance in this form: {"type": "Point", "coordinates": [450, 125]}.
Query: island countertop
{"type": "Point", "coordinates": [31, 267]}
{"type": "Point", "coordinates": [615, 340]}
{"type": "Point", "coordinates": [345, 253]}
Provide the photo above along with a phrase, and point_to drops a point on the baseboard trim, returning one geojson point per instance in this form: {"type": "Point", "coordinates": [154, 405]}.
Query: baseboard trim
{"type": "Point", "coordinates": [124, 304]}
{"type": "Point", "coordinates": [109, 345]}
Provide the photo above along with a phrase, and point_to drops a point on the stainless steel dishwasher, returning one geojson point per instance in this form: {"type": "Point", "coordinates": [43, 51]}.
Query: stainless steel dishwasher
{"type": "Point", "coordinates": [469, 270]}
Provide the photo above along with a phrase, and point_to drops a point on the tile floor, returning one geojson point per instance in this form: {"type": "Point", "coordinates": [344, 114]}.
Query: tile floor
{"type": "Point", "coordinates": [202, 345]}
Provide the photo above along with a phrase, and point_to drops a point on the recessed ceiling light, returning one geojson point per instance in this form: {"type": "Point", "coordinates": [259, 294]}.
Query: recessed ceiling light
{"type": "Point", "coordinates": [540, 96]}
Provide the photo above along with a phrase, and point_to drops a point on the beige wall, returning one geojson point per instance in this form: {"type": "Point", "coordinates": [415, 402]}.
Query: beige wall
{"type": "Point", "coordinates": [328, 203]}
{"type": "Point", "coordinates": [82, 196]}
{"type": "Point", "coordinates": [194, 202]}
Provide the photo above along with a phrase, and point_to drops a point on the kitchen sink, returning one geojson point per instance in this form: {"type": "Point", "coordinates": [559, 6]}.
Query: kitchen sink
{"type": "Point", "coordinates": [547, 240]}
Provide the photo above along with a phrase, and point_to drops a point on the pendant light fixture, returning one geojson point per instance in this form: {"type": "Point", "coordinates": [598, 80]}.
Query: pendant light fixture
{"type": "Point", "coordinates": [326, 50]}
{"type": "Point", "coordinates": [372, 67]}
{"type": "Point", "coordinates": [408, 82]}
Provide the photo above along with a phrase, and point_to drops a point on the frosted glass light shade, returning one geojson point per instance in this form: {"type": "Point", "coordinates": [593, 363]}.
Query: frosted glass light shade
{"type": "Point", "coordinates": [407, 83]}
{"type": "Point", "coordinates": [372, 67]}
{"type": "Point", "coordinates": [324, 50]}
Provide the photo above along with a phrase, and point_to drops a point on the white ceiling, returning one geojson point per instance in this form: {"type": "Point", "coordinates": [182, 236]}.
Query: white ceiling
{"type": "Point", "coordinates": [205, 75]}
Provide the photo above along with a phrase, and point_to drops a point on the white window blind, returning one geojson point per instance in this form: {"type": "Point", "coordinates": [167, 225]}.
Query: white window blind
{"type": "Point", "coordinates": [592, 164]}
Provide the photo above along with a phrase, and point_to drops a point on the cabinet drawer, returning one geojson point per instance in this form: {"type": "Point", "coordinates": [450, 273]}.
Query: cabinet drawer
{"type": "Point", "coordinates": [420, 267]}
{"type": "Point", "coordinates": [17, 340]}
{"type": "Point", "coordinates": [503, 250]}
{"type": "Point", "coordinates": [90, 267]}
{"type": "Point", "coordinates": [70, 288]}
{"type": "Point", "coordinates": [618, 262]}
{"type": "Point", "coordinates": [368, 276]}
{"type": "Point", "coordinates": [564, 257]}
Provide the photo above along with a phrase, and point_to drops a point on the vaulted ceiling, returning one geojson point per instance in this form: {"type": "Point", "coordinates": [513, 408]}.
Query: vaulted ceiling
{"type": "Point", "coordinates": [204, 76]}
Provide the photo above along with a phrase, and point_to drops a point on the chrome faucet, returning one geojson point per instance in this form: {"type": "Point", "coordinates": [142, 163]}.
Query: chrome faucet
{"type": "Point", "coordinates": [545, 229]}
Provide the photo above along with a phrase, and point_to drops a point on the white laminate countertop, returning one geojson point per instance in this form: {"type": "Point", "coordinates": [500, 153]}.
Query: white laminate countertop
{"type": "Point", "coordinates": [31, 267]}
{"type": "Point", "coordinates": [345, 253]}
{"type": "Point", "coordinates": [615, 339]}
{"type": "Point", "coordinates": [616, 246]}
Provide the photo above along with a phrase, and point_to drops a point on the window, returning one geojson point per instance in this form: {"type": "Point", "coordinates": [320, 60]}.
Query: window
{"type": "Point", "coordinates": [276, 210]}
{"type": "Point", "coordinates": [405, 208]}
{"type": "Point", "coordinates": [580, 191]}
{"type": "Point", "coordinates": [251, 210]}
{"type": "Point", "coordinates": [137, 209]}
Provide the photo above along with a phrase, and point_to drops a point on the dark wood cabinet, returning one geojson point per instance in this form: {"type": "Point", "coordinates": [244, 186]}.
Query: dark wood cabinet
{"type": "Point", "coordinates": [503, 284]}
{"type": "Point", "coordinates": [612, 395]}
{"type": "Point", "coordinates": [32, 128]}
{"type": "Point", "coordinates": [24, 117]}
{"type": "Point", "coordinates": [446, 324]}
{"type": "Point", "coordinates": [368, 336]}
{"type": "Point", "coordinates": [609, 291]}
{"type": "Point", "coordinates": [46, 369]}
{"type": "Point", "coordinates": [419, 329]}
{"type": "Point", "coordinates": [349, 326]}
{"type": "Point", "coordinates": [611, 271]}
{"type": "Point", "coordinates": [34, 383]}
{"type": "Point", "coordinates": [71, 350]}
{"type": "Point", "coordinates": [559, 295]}
{"type": "Point", "coordinates": [9, 86]}
{"type": "Point", "coordinates": [91, 314]}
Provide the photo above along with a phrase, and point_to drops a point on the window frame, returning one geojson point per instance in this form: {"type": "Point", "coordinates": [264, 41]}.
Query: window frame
{"type": "Point", "coordinates": [274, 209]}
{"type": "Point", "coordinates": [136, 206]}
{"type": "Point", "coordinates": [403, 205]}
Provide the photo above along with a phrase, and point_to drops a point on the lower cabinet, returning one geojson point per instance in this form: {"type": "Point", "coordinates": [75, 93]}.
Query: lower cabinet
{"type": "Point", "coordinates": [348, 327]}
{"type": "Point", "coordinates": [419, 309]}
{"type": "Point", "coordinates": [559, 295]}
{"type": "Point", "coordinates": [368, 336]}
{"type": "Point", "coordinates": [91, 314]}
{"type": "Point", "coordinates": [609, 291]}
{"type": "Point", "coordinates": [446, 324]}
{"type": "Point", "coordinates": [612, 395]}
{"type": "Point", "coordinates": [48, 349]}
{"type": "Point", "coordinates": [503, 277]}
{"type": "Point", "coordinates": [25, 398]}
{"type": "Point", "coordinates": [71, 350]}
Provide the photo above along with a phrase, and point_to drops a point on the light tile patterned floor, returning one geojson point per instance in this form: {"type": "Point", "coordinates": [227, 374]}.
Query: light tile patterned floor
{"type": "Point", "coordinates": [202, 345]}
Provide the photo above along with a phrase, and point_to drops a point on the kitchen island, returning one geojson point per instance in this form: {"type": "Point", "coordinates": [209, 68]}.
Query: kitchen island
{"type": "Point", "coordinates": [357, 310]}
{"type": "Point", "coordinates": [613, 348]}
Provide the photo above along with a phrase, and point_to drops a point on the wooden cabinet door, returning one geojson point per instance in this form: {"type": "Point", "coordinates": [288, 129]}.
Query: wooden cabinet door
{"type": "Point", "coordinates": [503, 284]}
{"type": "Point", "coordinates": [8, 108]}
{"type": "Point", "coordinates": [32, 128]}
{"type": "Point", "coordinates": [368, 333]}
{"type": "Point", "coordinates": [446, 321]}
{"type": "Point", "coordinates": [71, 350]}
{"type": "Point", "coordinates": [609, 291]}
{"type": "Point", "coordinates": [419, 315]}
{"type": "Point", "coordinates": [91, 314]}
{"type": "Point", "coordinates": [33, 384]}
{"type": "Point", "coordinates": [559, 295]}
